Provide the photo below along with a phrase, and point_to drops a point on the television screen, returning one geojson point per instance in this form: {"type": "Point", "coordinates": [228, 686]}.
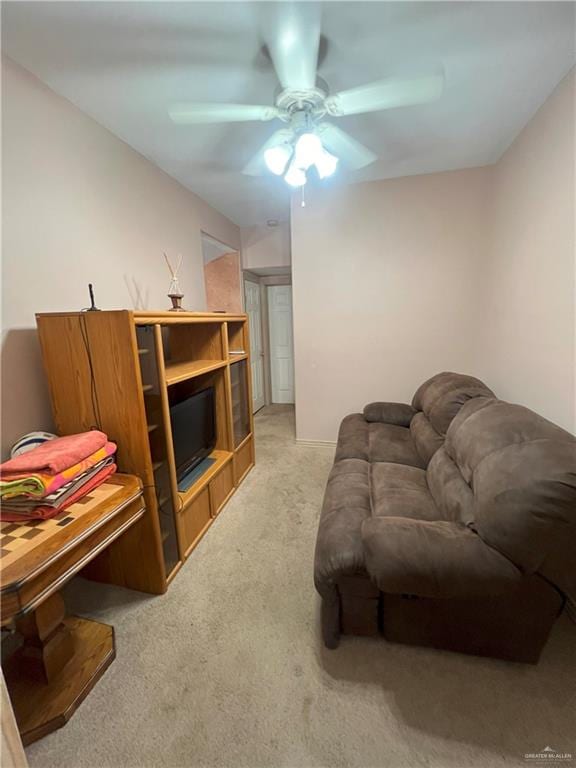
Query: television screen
{"type": "Point", "coordinates": [193, 430]}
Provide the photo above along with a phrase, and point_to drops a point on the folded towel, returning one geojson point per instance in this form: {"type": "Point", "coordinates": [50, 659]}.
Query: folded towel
{"type": "Point", "coordinates": [41, 484]}
{"type": "Point", "coordinates": [40, 512]}
{"type": "Point", "coordinates": [57, 498]}
{"type": "Point", "coordinates": [56, 455]}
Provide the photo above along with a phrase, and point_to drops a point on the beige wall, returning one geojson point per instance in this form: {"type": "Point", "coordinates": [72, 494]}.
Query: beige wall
{"type": "Point", "coordinates": [264, 246]}
{"type": "Point", "coordinates": [79, 206]}
{"type": "Point", "coordinates": [528, 335]}
{"type": "Point", "coordinates": [385, 289]}
{"type": "Point", "coordinates": [472, 271]}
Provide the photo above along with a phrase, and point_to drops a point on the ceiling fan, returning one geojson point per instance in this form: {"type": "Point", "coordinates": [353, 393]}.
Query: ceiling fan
{"type": "Point", "coordinates": [304, 103]}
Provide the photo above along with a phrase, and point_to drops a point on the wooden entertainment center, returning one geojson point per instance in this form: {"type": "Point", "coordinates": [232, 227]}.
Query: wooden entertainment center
{"type": "Point", "coordinates": [119, 371]}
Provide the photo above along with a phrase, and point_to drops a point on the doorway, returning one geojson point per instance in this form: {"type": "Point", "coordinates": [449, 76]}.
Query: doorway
{"type": "Point", "coordinates": [268, 304]}
{"type": "Point", "coordinates": [281, 343]}
{"type": "Point", "coordinates": [222, 276]}
{"type": "Point", "coordinates": [254, 311]}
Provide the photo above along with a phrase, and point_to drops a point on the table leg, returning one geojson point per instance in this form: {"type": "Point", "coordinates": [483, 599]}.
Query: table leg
{"type": "Point", "coordinates": [48, 643]}
{"type": "Point", "coordinates": [58, 664]}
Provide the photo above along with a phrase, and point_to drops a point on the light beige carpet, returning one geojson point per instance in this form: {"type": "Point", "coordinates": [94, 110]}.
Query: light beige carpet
{"type": "Point", "coordinates": [227, 669]}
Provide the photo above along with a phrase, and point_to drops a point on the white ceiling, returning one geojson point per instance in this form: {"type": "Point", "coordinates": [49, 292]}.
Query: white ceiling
{"type": "Point", "coordinates": [125, 63]}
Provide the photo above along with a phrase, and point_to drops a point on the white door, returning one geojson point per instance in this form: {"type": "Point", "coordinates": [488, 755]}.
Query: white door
{"type": "Point", "coordinates": [252, 303]}
{"type": "Point", "coordinates": [281, 343]}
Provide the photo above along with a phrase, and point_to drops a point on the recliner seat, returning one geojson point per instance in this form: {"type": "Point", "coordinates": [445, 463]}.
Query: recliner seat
{"type": "Point", "coordinates": [408, 434]}
{"type": "Point", "coordinates": [472, 550]}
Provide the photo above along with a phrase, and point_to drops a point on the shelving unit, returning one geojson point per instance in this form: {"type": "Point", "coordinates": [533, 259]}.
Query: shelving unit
{"type": "Point", "coordinates": [181, 371]}
{"type": "Point", "coordinates": [120, 371]}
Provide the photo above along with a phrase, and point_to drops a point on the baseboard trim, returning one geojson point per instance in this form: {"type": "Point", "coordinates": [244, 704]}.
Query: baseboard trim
{"type": "Point", "coordinates": [317, 443]}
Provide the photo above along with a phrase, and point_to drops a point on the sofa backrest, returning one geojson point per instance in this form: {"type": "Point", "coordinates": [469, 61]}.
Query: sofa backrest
{"type": "Point", "coordinates": [512, 473]}
{"type": "Point", "coordinates": [438, 400]}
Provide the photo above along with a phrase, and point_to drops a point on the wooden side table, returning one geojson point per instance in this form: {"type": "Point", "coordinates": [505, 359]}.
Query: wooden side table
{"type": "Point", "coordinates": [61, 657]}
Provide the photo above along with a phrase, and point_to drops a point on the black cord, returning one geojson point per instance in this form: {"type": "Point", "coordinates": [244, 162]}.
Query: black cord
{"type": "Point", "coordinates": [93, 390]}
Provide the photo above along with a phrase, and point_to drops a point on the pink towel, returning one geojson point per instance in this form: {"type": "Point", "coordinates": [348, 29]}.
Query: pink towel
{"type": "Point", "coordinates": [44, 513]}
{"type": "Point", "coordinates": [57, 455]}
{"type": "Point", "coordinates": [40, 484]}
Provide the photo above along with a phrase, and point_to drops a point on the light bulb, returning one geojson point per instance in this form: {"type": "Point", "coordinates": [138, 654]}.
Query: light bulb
{"type": "Point", "coordinates": [277, 158]}
{"type": "Point", "coordinates": [308, 149]}
{"type": "Point", "coordinates": [295, 176]}
{"type": "Point", "coordinates": [326, 164]}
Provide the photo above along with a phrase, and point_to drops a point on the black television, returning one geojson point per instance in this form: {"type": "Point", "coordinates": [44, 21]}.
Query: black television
{"type": "Point", "coordinates": [193, 430]}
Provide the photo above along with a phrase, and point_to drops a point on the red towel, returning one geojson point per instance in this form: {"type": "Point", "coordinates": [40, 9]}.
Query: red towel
{"type": "Point", "coordinates": [44, 513]}
{"type": "Point", "coordinates": [58, 454]}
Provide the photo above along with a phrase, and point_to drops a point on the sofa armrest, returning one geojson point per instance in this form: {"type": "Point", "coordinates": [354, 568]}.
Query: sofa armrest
{"type": "Point", "coordinates": [399, 414]}
{"type": "Point", "coordinates": [434, 559]}
{"type": "Point", "coordinates": [346, 506]}
{"type": "Point", "coordinates": [339, 549]}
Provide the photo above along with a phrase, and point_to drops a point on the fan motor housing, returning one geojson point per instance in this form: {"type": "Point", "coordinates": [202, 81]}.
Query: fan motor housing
{"type": "Point", "coordinates": [309, 101]}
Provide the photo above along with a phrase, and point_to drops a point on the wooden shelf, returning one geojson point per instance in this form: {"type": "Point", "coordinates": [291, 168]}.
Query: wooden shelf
{"type": "Point", "coordinates": [222, 457]}
{"type": "Point", "coordinates": [190, 350]}
{"type": "Point", "coordinates": [166, 317]}
{"type": "Point", "coordinates": [176, 372]}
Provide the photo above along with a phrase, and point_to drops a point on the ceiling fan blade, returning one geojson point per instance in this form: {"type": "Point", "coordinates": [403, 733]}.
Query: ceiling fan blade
{"type": "Point", "coordinates": [351, 152]}
{"type": "Point", "coordinates": [188, 114]}
{"type": "Point", "coordinates": [293, 37]}
{"type": "Point", "coordinates": [256, 166]}
{"type": "Point", "coordinates": [386, 94]}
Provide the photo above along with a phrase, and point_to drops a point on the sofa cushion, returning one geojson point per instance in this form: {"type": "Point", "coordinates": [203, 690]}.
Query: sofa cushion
{"type": "Point", "coordinates": [434, 559]}
{"type": "Point", "coordinates": [522, 471]}
{"type": "Point", "coordinates": [401, 491]}
{"type": "Point", "coordinates": [425, 437]}
{"type": "Point", "coordinates": [526, 502]}
{"type": "Point", "coordinates": [449, 489]}
{"type": "Point", "coordinates": [400, 414]}
{"type": "Point", "coordinates": [374, 441]}
{"type": "Point", "coordinates": [442, 396]}
{"type": "Point", "coordinates": [387, 442]}
{"type": "Point", "coordinates": [487, 425]}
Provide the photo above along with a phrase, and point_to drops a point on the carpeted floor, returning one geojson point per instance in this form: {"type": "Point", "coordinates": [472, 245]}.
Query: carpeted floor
{"type": "Point", "coordinates": [227, 669]}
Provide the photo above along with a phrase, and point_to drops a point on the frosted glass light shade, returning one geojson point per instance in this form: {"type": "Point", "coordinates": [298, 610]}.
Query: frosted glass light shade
{"type": "Point", "coordinates": [276, 158]}
{"type": "Point", "coordinates": [292, 162]}
{"type": "Point", "coordinates": [308, 149]}
{"type": "Point", "coordinates": [326, 164]}
{"type": "Point", "coordinates": [295, 176]}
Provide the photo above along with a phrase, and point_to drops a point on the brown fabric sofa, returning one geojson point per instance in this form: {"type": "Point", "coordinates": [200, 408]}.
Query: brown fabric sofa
{"type": "Point", "coordinates": [449, 523]}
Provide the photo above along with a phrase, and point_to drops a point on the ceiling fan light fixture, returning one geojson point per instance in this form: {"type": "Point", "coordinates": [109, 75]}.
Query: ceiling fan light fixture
{"type": "Point", "coordinates": [277, 158]}
{"type": "Point", "coordinates": [326, 164]}
{"type": "Point", "coordinates": [295, 176]}
{"type": "Point", "coordinates": [307, 151]}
